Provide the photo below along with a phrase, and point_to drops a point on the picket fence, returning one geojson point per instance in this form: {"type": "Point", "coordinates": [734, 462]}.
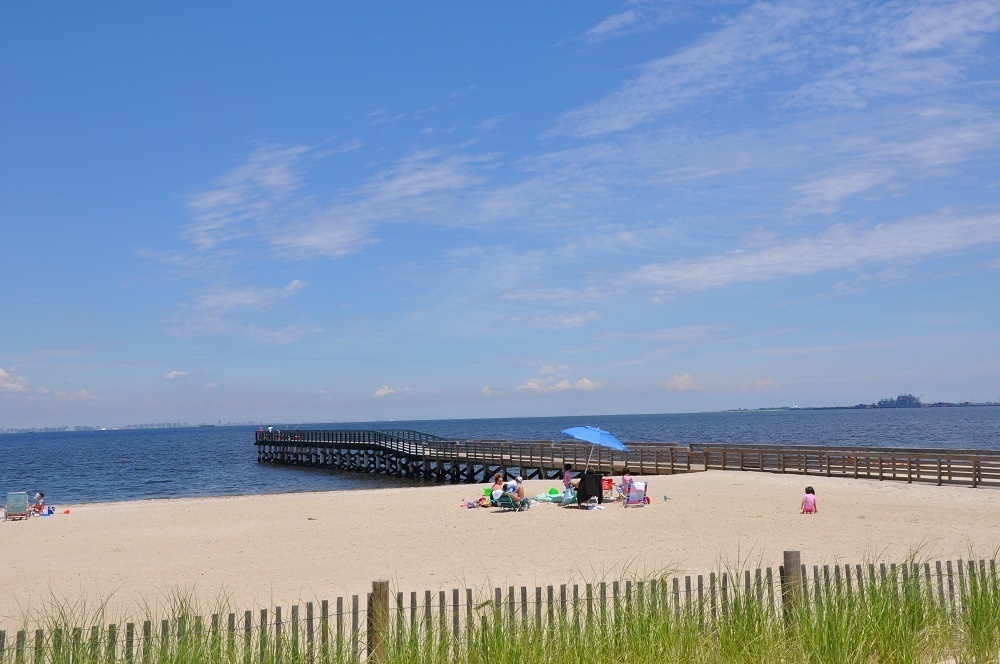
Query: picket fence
{"type": "Point", "coordinates": [352, 629]}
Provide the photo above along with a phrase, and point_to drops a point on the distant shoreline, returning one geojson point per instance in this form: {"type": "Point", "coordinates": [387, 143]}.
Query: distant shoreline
{"type": "Point", "coordinates": [862, 406]}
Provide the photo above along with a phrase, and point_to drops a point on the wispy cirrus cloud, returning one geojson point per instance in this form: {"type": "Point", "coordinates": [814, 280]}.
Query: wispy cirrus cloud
{"type": "Point", "coordinates": [240, 201]}
{"type": "Point", "coordinates": [634, 16]}
{"type": "Point", "coordinates": [856, 52]}
{"type": "Point", "coordinates": [840, 247]}
{"type": "Point", "coordinates": [429, 186]}
{"type": "Point", "coordinates": [732, 56]}
{"type": "Point", "coordinates": [219, 297]}
{"type": "Point", "coordinates": [900, 48]}
{"type": "Point", "coordinates": [220, 310]}
{"type": "Point", "coordinates": [175, 375]}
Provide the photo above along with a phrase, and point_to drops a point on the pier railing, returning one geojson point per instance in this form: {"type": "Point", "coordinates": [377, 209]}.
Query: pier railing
{"type": "Point", "coordinates": [418, 455]}
{"type": "Point", "coordinates": [424, 456]}
{"type": "Point", "coordinates": [973, 468]}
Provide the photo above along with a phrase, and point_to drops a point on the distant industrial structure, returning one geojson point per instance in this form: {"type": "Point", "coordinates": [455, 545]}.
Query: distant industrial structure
{"type": "Point", "coordinates": [902, 401]}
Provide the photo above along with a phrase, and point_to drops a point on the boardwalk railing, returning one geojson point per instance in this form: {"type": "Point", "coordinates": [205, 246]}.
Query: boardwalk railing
{"type": "Point", "coordinates": [417, 455]}
{"type": "Point", "coordinates": [964, 467]}
{"type": "Point", "coordinates": [356, 628]}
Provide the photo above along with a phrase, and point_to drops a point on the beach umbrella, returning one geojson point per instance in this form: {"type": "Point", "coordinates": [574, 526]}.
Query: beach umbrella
{"type": "Point", "coordinates": [595, 437]}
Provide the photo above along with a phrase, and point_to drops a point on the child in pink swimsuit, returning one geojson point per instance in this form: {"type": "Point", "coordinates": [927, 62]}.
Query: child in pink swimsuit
{"type": "Point", "coordinates": [809, 502]}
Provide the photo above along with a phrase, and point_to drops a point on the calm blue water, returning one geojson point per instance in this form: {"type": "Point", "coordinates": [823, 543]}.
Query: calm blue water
{"type": "Point", "coordinates": [82, 467]}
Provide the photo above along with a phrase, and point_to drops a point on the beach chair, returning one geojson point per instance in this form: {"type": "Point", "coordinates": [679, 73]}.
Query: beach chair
{"type": "Point", "coordinates": [608, 488]}
{"type": "Point", "coordinates": [507, 504]}
{"type": "Point", "coordinates": [636, 496]}
{"type": "Point", "coordinates": [16, 506]}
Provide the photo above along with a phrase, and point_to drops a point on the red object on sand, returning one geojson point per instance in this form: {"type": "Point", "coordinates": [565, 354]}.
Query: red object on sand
{"type": "Point", "coordinates": [65, 511]}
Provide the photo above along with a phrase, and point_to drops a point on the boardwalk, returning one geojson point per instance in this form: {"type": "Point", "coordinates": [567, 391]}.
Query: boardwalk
{"type": "Point", "coordinates": [416, 455]}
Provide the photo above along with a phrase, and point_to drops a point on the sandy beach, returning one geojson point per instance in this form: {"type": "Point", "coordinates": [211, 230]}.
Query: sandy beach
{"type": "Point", "coordinates": [262, 551]}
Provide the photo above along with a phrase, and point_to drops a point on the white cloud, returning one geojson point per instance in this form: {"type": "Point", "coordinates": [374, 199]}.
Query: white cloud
{"type": "Point", "coordinates": [551, 379]}
{"type": "Point", "coordinates": [682, 383]}
{"type": "Point", "coordinates": [488, 391]}
{"type": "Point", "coordinates": [174, 375]}
{"type": "Point", "coordinates": [840, 247]}
{"type": "Point", "coordinates": [11, 383]}
{"type": "Point", "coordinates": [385, 391]}
{"type": "Point", "coordinates": [563, 385]}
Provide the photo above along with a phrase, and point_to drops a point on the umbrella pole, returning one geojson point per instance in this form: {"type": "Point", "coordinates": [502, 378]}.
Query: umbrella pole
{"type": "Point", "coordinates": [589, 454]}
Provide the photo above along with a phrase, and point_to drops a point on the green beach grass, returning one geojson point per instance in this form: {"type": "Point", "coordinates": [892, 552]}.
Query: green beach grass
{"type": "Point", "coordinates": [889, 617]}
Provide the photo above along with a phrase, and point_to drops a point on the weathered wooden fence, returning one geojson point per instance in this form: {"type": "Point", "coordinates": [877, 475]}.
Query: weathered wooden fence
{"type": "Point", "coordinates": [356, 628]}
{"type": "Point", "coordinates": [973, 468]}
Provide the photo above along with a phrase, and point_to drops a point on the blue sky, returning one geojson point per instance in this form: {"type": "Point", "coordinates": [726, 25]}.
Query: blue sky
{"type": "Point", "coordinates": [386, 210]}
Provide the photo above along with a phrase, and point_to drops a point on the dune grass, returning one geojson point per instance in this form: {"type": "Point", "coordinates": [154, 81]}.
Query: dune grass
{"type": "Point", "coordinates": [888, 617]}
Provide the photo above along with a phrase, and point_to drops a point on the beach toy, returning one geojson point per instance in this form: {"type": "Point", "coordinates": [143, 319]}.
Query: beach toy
{"type": "Point", "coordinates": [65, 511]}
{"type": "Point", "coordinates": [554, 492]}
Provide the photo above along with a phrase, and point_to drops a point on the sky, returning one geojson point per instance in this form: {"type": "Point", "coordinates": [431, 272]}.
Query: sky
{"type": "Point", "coordinates": [318, 212]}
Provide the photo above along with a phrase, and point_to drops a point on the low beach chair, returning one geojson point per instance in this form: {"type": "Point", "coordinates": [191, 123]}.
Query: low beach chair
{"type": "Point", "coordinates": [507, 504]}
{"type": "Point", "coordinates": [636, 496]}
{"type": "Point", "coordinates": [16, 506]}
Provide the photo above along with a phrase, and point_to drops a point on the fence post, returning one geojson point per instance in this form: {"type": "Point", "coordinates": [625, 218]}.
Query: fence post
{"type": "Point", "coordinates": [791, 582]}
{"type": "Point", "coordinates": [378, 621]}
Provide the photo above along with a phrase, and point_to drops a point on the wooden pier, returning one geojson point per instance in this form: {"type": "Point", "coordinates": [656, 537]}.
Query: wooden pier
{"type": "Point", "coordinates": [421, 456]}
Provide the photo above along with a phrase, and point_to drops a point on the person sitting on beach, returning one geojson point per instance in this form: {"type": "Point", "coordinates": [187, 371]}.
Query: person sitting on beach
{"type": "Point", "coordinates": [497, 487]}
{"type": "Point", "coordinates": [39, 505]}
{"type": "Point", "coordinates": [809, 502]}
{"type": "Point", "coordinates": [518, 494]}
{"type": "Point", "coordinates": [567, 476]}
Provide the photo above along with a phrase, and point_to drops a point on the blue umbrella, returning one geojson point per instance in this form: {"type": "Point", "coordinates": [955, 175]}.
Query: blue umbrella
{"type": "Point", "coordinates": [596, 436]}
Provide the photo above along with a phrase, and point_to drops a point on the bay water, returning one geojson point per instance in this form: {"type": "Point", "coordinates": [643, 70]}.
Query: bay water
{"type": "Point", "coordinates": [102, 466]}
